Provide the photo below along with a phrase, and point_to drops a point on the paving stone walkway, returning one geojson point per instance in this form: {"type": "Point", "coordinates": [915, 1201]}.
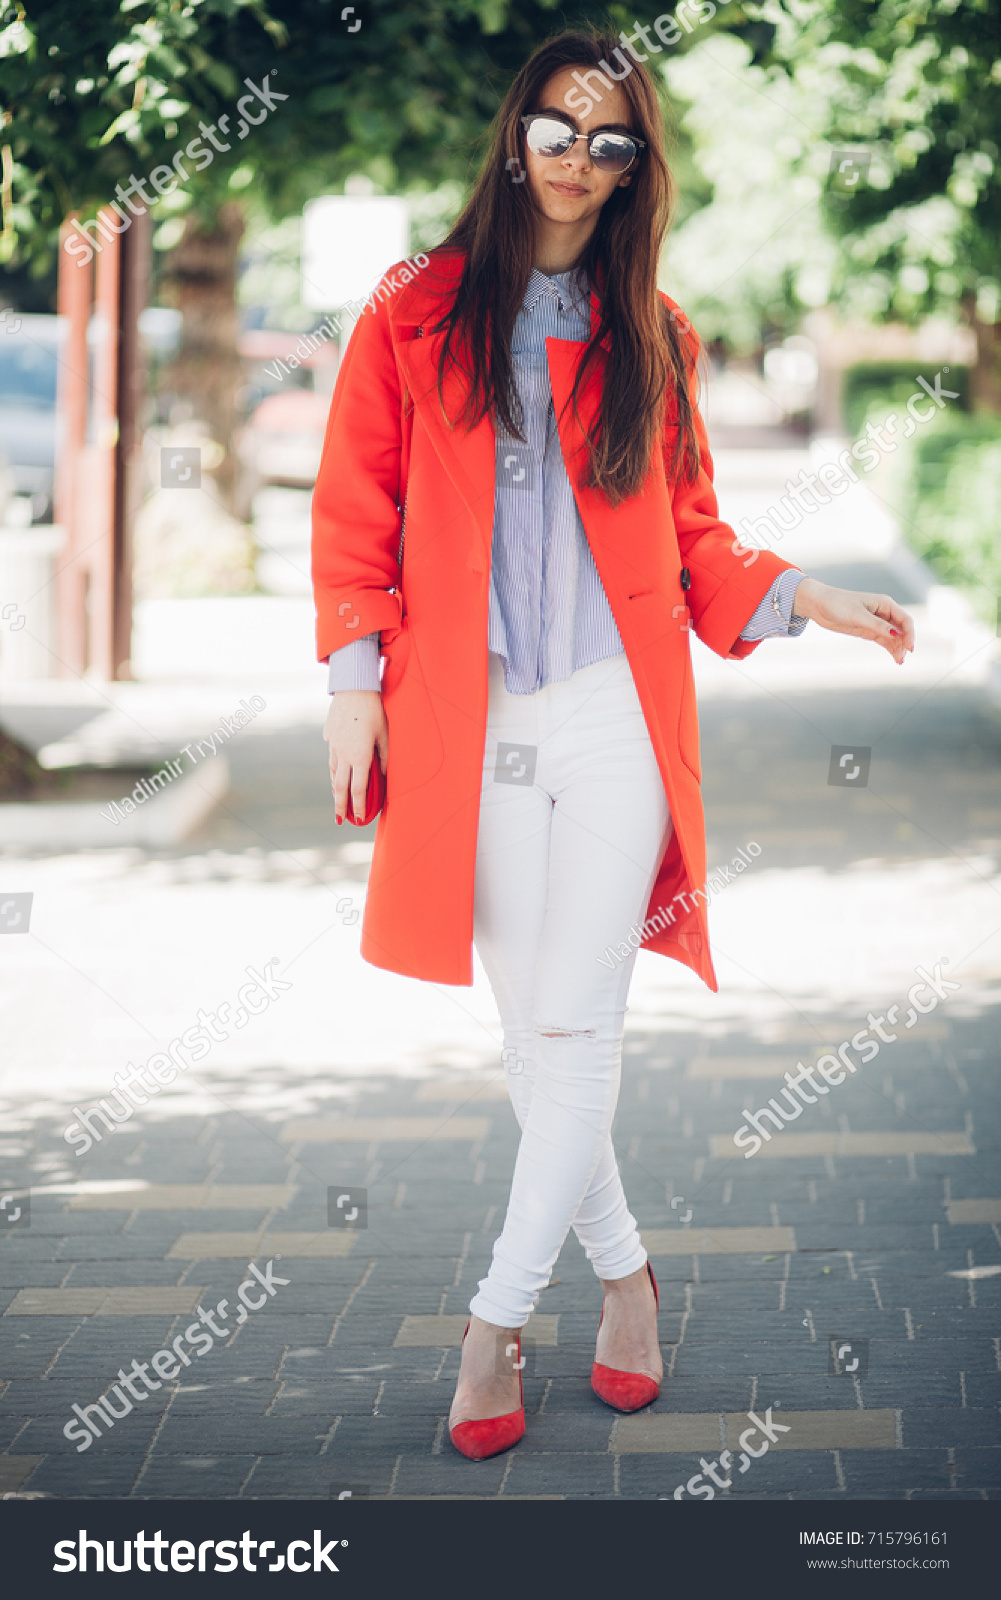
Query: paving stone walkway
{"type": "Point", "coordinates": [341, 1379]}
{"type": "Point", "coordinates": [836, 1298]}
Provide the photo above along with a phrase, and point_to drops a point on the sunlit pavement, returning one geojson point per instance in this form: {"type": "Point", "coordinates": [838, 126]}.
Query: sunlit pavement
{"type": "Point", "coordinates": [873, 1222]}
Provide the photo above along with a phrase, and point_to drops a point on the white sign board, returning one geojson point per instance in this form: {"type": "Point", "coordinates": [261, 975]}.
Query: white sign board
{"type": "Point", "coordinates": [348, 242]}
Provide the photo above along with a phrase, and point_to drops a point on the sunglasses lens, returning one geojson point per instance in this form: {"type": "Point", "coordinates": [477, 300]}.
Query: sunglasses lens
{"type": "Point", "coordinates": [612, 152]}
{"type": "Point", "coordinates": [547, 137]}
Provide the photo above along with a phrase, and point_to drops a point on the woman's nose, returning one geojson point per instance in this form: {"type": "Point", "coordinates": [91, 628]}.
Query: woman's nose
{"type": "Point", "coordinates": [578, 156]}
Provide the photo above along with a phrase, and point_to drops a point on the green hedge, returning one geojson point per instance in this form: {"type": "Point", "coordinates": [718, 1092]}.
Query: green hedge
{"type": "Point", "coordinates": [944, 483]}
{"type": "Point", "coordinates": [951, 504]}
{"type": "Point", "coordinates": [886, 386]}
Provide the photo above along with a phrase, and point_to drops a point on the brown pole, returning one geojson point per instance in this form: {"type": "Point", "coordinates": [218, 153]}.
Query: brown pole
{"type": "Point", "coordinates": [74, 295]}
{"type": "Point", "coordinates": [133, 294]}
{"type": "Point", "coordinates": [87, 586]}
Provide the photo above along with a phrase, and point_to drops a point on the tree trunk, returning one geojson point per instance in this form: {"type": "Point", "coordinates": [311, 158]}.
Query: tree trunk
{"type": "Point", "coordinates": [199, 280]}
{"type": "Point", "coordinates": [985, 378]}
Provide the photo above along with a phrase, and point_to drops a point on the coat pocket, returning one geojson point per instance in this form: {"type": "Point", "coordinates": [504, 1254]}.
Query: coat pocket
{"type": "Point", "coordinates": [416, 748]}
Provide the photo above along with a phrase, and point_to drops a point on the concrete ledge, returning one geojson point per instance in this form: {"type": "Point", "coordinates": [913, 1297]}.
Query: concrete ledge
{"type": "Point", "coordinates": [170, 816]}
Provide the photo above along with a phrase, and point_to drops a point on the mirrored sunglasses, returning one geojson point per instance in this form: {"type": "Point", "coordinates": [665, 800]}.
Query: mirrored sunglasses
{"type": "Point", "coordinates": [609, 152]}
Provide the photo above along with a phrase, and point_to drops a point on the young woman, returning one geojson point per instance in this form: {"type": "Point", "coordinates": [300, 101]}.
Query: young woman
{"type": "Point", "coordinates": [515, 508]}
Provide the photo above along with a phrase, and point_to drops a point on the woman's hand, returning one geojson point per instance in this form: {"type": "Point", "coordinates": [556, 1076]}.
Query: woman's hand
{"type": "Point", "coordinates": [354, 729]}
{"type": "Point", "coordinates": [866, 616]}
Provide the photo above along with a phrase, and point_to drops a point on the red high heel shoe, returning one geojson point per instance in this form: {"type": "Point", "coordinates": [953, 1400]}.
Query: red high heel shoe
{"type": "Point", "coordinates": [490, 1436]}
{"type": "Point", "coordinates": [626, 1391]}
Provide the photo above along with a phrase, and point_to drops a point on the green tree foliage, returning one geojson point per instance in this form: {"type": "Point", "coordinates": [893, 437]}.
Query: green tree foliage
{"type": "Point", "coordinates": [920, 84]}
{"type": "Point", "coordinates": [91, 93]}
{"type": "Point", "coordinates": [916, 86]}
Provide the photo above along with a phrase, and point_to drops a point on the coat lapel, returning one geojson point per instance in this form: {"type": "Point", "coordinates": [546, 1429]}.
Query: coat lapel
{"type": "Point", "coordinates": [621, 541]}
{"type": "Point", "coordinates": [469, 458]}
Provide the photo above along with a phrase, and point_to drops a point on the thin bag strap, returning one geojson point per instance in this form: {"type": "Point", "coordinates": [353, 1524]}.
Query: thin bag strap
{"type": "Point", "coordinates": [407, 428]}
{"type": "Point", "coordinates": [406, 435]}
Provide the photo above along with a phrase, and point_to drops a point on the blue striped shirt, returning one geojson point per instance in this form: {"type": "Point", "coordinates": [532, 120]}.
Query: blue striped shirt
{"type": "Point", "coordinates": [548, 614]}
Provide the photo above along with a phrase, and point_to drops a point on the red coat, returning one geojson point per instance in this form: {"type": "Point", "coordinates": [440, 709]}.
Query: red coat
{"type": "Point", "coordinates": [419, 910]}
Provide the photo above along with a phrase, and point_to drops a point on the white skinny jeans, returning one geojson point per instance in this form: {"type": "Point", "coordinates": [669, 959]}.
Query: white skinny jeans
{"type": "Point", "coordinates": [565, 866]}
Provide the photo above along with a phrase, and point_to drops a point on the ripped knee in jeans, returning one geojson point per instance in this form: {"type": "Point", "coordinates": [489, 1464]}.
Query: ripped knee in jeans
{"type": "Point", "coordinates": [545, 1031]}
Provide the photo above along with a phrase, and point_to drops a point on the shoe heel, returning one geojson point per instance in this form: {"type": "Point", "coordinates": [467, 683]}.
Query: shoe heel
{"type": "Point", "coordinates": [491, 1436]}
{"type": "Point", "coordinates": [625, 1391]}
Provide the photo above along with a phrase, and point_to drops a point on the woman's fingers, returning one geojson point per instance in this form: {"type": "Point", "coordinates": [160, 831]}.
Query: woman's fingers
{"type": "Point", "coordinates": [899, 619]}
{"type": "Point", "coordinates": [868, 616]}
{"type": "Point", "coordinates": [893, 627]}
{"type": "Point", "coordinates": [354, 730]}
{"type": "Point", "coordinates": [359, 783]}
{"type": "Point", "coordinates": [349, 776]}
{"type": "Point", "coordinates": [340, 779]}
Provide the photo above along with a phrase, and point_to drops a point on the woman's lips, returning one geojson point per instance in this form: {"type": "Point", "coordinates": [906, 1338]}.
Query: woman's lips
{"type": "Point", "coordinates": [573, 189]}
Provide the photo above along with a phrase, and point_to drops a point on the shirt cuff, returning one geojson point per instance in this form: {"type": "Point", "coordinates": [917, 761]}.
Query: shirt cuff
{"type": "Point", "coordinates": [774, 619]}
{"type": "Point", "coordinates": [355, 665]}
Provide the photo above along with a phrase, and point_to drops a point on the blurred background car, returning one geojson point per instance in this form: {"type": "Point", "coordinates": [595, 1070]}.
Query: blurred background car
{"type": "Point", "coordinates": [29, 364]}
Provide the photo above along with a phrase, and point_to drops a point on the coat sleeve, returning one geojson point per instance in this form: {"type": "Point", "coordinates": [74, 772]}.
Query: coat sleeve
{"type": "Point", "coordinates": [356, 502]}
{"type": "Point", "coordinates": [728, 579]}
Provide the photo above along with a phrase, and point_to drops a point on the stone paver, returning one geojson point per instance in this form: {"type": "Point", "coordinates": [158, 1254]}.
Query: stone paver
{"type": "Point", "coordinates": [189, 1197]}
{"type": "Point", "coordinates": [448, 1331]}
{"type": "Point", "coordinates": [912, 1142]}
{"type": "Point", "coordinates": [808, 1430]}
{"type": "Point", "coordinates": [246, 1246]}
{"type": "Point", "coordinates": [96, 1302]}
{"type": "Point", "coordinates": [717, 1241]}
{"type": "Point", "coordinates": [872, 1228]}
{"type": "Point", "coordinates": [974, 1210]}
{"type": "Point", "coordinates": [366, 1130]}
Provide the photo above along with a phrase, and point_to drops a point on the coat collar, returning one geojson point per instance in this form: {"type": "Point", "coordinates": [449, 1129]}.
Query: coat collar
{"type": "Point", "coordinates": [469, 457]}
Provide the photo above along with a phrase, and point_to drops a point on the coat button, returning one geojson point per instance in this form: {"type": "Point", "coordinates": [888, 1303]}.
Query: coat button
{"type": "Point", "coordinates": [686, 578]}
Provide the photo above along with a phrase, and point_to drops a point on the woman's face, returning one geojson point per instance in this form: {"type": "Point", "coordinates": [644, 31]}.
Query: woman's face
{"type": "Point", "coordinates": [568, 188]}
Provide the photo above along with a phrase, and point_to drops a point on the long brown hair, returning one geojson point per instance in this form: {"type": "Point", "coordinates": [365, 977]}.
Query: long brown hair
{"type": "Point", "coordinates": [646, 378]}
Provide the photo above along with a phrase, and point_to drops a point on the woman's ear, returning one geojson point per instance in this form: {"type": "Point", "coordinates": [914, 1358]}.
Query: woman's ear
{"type": "Point", "coordinates": [624, 183]}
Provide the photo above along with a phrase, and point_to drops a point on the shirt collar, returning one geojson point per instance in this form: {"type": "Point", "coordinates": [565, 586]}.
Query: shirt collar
{"type": "Point", "coordinates": [569, 289]}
